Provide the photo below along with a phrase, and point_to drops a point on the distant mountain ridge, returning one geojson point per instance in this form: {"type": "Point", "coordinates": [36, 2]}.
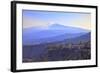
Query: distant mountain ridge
{"type": "Point", "coordinates": [56, 26]}
{"type": "Point", "coordinates": [54, 33]}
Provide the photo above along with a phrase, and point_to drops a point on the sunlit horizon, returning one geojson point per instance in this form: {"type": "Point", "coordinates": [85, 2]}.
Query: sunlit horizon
{"type": "Point", "coordinates": [43, 19]}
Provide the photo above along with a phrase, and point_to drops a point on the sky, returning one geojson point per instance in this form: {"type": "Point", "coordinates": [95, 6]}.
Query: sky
{"type": "Point", "coordinates": [43, 19]}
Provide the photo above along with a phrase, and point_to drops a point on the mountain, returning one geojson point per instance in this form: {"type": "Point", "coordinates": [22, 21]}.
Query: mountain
{"type": "Point", "coordinates": [57, 26]}
{"type": "Point", "coordinates": [67, 28]}
{"type": "Point", "coordinates": [54, 33]}
{"type": "Point", "coordinates": [83, 38]}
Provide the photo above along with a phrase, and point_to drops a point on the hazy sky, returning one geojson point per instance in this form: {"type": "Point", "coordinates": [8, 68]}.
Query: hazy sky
{"type": "Point", "coordinates": [33, 18]}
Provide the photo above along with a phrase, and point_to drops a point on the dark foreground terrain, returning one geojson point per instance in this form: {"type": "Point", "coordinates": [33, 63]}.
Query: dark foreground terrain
{"type": "Point", "coordinates": [57, 52]}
